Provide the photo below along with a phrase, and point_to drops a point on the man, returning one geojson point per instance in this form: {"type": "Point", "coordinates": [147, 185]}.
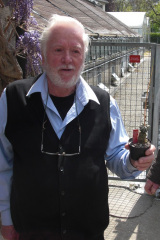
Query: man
{"type": "Point", "coordinates": [153, 175]}
{"type": "Point", "coordinates": [56, 133]}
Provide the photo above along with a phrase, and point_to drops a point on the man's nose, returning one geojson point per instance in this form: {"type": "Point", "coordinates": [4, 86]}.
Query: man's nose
{"type": "Point", "coordinates": [67, 58]}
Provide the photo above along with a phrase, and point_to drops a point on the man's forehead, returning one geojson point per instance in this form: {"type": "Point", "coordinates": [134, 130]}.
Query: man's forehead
{"type": "Point", "coordinates": [62, 35]}
{"type": "Point", "coordinates": [62, 42]}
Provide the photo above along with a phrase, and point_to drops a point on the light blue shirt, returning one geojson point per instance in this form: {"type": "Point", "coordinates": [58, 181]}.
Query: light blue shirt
{"type": "Point", "coordinates": [117, 156]}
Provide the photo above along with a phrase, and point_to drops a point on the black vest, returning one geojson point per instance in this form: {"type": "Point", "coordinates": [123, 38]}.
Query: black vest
{"type": "Point", "coordinates": [74, 197]}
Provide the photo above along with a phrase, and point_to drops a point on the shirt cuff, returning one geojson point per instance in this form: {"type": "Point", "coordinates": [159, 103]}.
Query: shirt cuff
{"type": "Point", "coordinates": [6, 218]}
{"type": "Point", "coordinates": [129, 166]}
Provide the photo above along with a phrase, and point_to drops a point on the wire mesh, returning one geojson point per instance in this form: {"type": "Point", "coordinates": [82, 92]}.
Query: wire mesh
{"type": "Point", "coordinates": [110, 68]}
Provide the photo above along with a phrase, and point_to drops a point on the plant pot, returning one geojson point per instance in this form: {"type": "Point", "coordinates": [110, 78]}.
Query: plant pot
{"type": "Point", "coordinates": [137, 150]}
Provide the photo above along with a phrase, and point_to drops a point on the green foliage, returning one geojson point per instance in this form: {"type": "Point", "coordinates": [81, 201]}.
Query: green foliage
{"type": "Point", "coordinates": [122, 6]}
{"type": "Point", "coordinates": [131, 5]}
{"type": "Point", "coordinates": [142, 138]}
{"type": "Point", "coordinates": [139, 5]}
{"type": "Point", "coordinates": [155, 37]}
{"type": "Point", "coordinates": [154, 15]}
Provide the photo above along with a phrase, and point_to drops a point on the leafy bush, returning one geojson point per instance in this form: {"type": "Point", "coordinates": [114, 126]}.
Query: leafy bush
{"type": "Point", "coordinates": [155, 37]}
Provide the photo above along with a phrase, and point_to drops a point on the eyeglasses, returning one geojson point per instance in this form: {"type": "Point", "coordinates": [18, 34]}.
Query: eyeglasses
{"type": "Point", "coordinates": [61, 152]}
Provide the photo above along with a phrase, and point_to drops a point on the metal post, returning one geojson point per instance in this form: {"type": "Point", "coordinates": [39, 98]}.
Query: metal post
{"type": "Point", "coordinates": [156, 107]}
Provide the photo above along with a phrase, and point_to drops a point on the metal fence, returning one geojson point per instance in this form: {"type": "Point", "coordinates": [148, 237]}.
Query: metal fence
{"type": "Point", "coordinates": [133, 85]}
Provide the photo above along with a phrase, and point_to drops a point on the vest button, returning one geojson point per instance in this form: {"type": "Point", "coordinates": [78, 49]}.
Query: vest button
{"type": "Point", "coordinates": [60, 147]}
{"type": "Point", "coordinates": [62, 193]}
{"type": "Point", "coordinates": [64, 231]}
{"type": "Point", "coordinates": [63, 214]}
{"type": "Point", "coordinates": [61, 169]}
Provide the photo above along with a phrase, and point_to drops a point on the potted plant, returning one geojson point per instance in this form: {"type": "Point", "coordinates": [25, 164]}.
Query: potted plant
{"type": "Point", "coordinates": [139, 143]}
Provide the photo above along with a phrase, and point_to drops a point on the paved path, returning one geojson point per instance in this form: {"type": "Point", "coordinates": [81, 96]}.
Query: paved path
{"type": "Point", "coordinates": [134, 214]}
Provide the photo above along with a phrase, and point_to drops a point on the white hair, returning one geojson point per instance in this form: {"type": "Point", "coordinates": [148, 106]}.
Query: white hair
{"type": "Point", "coordinates": [55, 19]}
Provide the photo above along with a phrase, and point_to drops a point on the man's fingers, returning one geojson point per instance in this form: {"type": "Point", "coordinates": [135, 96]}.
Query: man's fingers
{"type": "Point", "coordinates": [151, 187]}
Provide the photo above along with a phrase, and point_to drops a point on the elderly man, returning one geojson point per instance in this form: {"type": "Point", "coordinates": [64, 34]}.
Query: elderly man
{"type": "Point", "coordinates": [56, 135]}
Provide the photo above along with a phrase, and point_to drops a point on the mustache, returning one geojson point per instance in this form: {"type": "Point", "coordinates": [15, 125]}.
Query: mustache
{"type": "Point", "coordinates": [65, 66]}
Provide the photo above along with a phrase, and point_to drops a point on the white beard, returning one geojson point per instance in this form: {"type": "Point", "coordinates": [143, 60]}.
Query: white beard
{"type": "Point", "coordinates": [58, 81]}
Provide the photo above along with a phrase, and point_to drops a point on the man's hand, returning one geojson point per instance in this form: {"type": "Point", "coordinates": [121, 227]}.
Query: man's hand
{"type": "Point", "coordinates": [145, 162]}
{"type": "Point", "coordinates": [151, 187]}
{"type": "Point", "coordinates": [9, 233]}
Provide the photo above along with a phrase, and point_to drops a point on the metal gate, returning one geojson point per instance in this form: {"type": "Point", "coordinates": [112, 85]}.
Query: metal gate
{"type": "Point", "coordinates": [133, 83]}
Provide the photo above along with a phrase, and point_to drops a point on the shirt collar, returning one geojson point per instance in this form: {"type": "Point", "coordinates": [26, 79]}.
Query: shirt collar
{"type": "Point", "coordinates": [83, 91]}
{"type": "Point", "coordinates": [40, 86]}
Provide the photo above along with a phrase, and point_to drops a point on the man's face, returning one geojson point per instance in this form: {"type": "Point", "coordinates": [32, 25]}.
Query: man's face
{"type": "Point", "coordinates": [64, 58]}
